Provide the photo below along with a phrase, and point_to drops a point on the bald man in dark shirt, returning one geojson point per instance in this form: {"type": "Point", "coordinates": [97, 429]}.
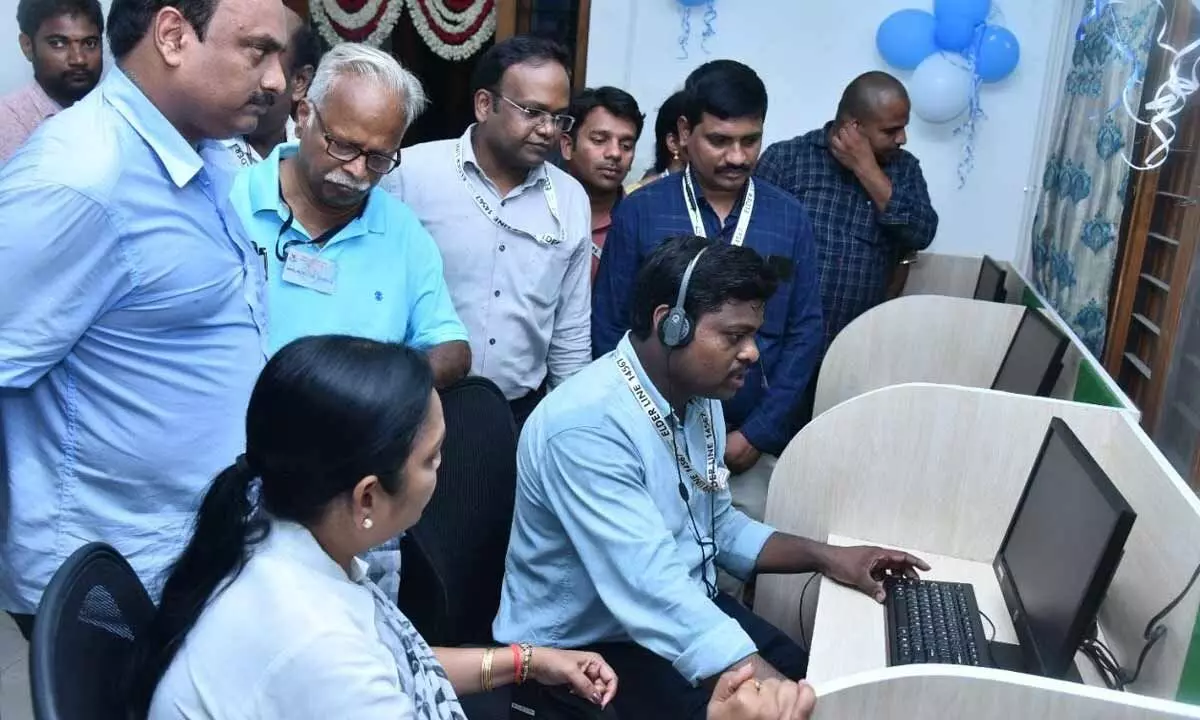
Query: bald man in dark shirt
{"type": "Point", "coordinates": [866, 196]}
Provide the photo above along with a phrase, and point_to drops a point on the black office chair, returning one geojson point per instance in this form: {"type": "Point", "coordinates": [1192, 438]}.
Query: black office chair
{"type": "Point", "coordinates": [83, 636]}
{"type": "Point", "coordinates": [452, 561]}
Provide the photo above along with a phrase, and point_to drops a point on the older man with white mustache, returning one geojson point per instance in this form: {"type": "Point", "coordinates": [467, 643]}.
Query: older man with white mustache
{"type": "Point", "coordinates": [341, 256]}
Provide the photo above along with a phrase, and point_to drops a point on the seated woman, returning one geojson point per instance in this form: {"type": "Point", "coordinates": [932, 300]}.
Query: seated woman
{"type": "Point", "coordinates": [268, 614]}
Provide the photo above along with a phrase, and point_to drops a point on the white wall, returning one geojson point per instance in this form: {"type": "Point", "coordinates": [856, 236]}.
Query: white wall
{"type": "Point", "coordinates": [14, 68]}
{"type": "Point", "coordinates": [807, 50]}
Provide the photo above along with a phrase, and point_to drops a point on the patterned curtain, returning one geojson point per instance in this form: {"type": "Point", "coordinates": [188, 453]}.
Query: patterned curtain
{"type": "Point", "coordinates": [1085, 181]}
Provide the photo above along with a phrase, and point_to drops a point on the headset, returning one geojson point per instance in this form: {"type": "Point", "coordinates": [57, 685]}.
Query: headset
{"type": "Point", "coordinates": [676, 329]}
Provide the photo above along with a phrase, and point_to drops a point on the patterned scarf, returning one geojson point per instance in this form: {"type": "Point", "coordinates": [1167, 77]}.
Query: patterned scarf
{"type": "Point", "coordinates": [421, 675]}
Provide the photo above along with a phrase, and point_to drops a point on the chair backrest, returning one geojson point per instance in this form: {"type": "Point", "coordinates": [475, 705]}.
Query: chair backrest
{"type": "Point", "coordinates": [83, 637]}
{"type": "Point", "coordinates": [452, 561]}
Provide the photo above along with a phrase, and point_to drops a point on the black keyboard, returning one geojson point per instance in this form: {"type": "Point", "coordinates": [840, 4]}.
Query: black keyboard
{"type": "Point", "coordinates": [933, 622]}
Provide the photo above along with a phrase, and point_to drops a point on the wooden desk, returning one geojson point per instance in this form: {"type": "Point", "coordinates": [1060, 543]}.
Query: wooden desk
{"type": "Point", "coordinates": [850, 635]}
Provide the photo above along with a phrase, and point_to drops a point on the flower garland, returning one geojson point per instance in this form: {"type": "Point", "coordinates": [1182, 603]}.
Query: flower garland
{"type": "Point", "coordinates": [365, 21]}
{"type": "Point", "coordinates": [454, 29]}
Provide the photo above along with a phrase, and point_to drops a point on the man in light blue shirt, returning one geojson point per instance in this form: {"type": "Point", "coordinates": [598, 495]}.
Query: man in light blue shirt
{"type": "Point", "coordinates": [343, 256]}
{"type": "Point", "coordinates": [132, 323]}
{"type": "Point", "coordinates": [623, 514]}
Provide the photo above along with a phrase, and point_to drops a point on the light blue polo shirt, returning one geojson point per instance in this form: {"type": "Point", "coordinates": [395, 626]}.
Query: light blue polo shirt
{"type": "Point", "coordinates": [390, 285]}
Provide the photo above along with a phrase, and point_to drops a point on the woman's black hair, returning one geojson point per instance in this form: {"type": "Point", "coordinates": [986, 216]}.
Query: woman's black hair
{"type": "Point", "coordinates": [667, 123]}
{"type": "Point", "coordinates": [326, 412]}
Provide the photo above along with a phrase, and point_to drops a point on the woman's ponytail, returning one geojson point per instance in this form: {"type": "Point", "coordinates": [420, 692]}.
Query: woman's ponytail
{"type": "Point", "coordinates": [225, 528]}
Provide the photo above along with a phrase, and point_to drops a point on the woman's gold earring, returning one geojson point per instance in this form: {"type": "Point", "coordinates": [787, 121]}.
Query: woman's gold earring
{"type": "Point", "coordinates": [368, 523]}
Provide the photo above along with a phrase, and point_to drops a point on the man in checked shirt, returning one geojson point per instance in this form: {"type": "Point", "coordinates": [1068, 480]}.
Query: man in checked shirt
{"type": "Point", "coordinates": [865, 195]}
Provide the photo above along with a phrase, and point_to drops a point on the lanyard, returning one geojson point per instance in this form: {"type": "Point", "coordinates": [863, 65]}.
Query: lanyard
{"type": "Point", "coordinates": [486, 208]}
{"type": "Point", "coordinates": [715, 478]}
{"type": "Point", "coordinates": [282, 253]}
{"type": "Point", "coordinates": [693, 208]}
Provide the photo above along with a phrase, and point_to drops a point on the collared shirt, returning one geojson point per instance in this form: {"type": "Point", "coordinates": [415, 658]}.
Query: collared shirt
{"type": "Point", "coordinates": [242, 154]}
{"type": "Point", "coordinates": [132, 329]}
{"type": "Point", "coordinates": [389, 283]}
{"type": "Point", "coordinates": [857, 245]}
{"type": "Point", "coordinates": [293, 636]}
{"type": "Point", "coordinates": [21, 112]}
{"type": "Point", "coordinates": [526, 304]}
{"type": "Point", "coordinates": [602, 546]}
{"type": "Point", "coordinates": [790, 337]}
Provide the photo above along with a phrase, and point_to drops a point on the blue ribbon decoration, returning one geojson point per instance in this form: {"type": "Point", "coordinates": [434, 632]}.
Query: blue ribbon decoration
{"type": "Point", "coordinates": [710, 18]}
{"type": "Point", "coordinates": [975, 113]}
{"type": "Point", "coordinates": [685, 30]}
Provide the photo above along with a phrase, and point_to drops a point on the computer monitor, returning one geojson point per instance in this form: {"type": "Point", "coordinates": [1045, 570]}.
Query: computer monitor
{"type": "Point", "coordinates": [1034, 358]}
{"type": "Point", "coordinates": [990, 285]}
{"type": "Point", "coordinates": [1060, 552]}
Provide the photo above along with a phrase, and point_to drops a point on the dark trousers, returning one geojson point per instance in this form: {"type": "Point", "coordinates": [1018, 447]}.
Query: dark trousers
{"type": "Point", "coordinates": [524, 406]}
{"type": "Point", "coordinates": [24, 624]}
{"type": "Point", "coordinates": [650, 687]}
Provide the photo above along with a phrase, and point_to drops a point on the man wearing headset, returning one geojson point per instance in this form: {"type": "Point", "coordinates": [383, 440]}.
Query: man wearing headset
{"type": "Point", "coordinates": [623, 513]}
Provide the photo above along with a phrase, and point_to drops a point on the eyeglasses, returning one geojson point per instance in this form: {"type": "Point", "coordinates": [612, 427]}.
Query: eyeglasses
{"type": "Point", "coordinates": [563, 123]}
{"type": "Point", "coordinates": [348, 152]}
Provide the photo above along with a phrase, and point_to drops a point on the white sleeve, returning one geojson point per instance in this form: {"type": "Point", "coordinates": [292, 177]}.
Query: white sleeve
{"type": "Point", "coordinates": [332, 676]}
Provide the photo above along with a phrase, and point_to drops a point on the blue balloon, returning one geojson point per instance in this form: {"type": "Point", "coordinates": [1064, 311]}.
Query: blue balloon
{"type": "Point", "coordinates": [999, 53]}
{"type": "Point", "coordinates": [974, 10]}
{"type": "Point", "coordinates": [693, 3]}
{"type": "Point", "coordinates": [906, 38]}
{"type": "Point", "coordinates": [954, 32]}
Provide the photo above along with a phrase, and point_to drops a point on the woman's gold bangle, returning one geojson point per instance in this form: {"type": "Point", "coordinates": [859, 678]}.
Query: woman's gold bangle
{"type": "Point", "coordinates": [486, 670]}
{"type": "Point", "coordinates": [526, 661]}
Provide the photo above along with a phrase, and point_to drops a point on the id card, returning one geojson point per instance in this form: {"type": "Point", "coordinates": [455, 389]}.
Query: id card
{"type": "Point", "coordinates": [310, 271]}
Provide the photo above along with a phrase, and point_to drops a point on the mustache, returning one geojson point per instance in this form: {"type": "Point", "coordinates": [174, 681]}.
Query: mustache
{"type": "Point", "coordinates": [733, 169]}
{"type": "Point", "coordinates": [262, 99]}
{"type": "Point", "coordinates": [344, 179]}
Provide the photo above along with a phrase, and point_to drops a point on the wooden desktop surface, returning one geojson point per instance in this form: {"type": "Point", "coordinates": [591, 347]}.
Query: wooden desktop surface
{"type": "Point", "coordinates": [850, 634]}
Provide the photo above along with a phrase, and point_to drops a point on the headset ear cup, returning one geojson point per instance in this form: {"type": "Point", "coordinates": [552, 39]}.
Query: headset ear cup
{"type": "Point", "coordinates": [671, 327]}
{"type": "Point", "coordinates": [685, 330]}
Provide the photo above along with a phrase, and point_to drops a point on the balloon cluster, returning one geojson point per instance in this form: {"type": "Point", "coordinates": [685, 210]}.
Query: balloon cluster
{"type": "Point", "coordinates": [950, 51]}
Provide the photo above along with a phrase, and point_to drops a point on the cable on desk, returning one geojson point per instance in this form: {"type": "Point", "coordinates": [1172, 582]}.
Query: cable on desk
{"type": "Point", "coordinates": [991, 624]}
{"type": "Point", "coordinates": [1117, 677]}
{"type": "Point", "coordinates": [803, 637]}
{"type": "Point", "coordinates": [988, 644]}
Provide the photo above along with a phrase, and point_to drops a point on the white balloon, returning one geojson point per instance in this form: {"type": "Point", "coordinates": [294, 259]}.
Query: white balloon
{"type": "Point", "coordinates": [940, 89]}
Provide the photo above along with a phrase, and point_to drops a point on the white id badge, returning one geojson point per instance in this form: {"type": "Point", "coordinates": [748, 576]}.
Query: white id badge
{"type": "Point", "coordinates": [310, 271]}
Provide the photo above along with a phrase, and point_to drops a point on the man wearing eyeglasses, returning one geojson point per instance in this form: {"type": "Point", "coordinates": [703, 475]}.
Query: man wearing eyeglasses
{"type": "Point", "coordinates": [342, 256]}
{"type": "Point", "coordinates": [514, 230]}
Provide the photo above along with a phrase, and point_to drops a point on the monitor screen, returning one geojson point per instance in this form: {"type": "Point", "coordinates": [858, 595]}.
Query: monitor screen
{"type": "Point", "coordinates": [1061, 550]}
{"type": "Point", "coordinates": [990, 285]}
{"type": "Point", "coordinates": [1034, 358]}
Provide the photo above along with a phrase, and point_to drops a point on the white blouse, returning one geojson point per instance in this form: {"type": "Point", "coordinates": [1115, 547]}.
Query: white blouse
{"type": "Point", "coordinates": [292, 637]}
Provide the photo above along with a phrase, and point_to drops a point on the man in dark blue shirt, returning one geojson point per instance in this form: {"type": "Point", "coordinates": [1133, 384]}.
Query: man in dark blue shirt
{"type": "Point", "coordinates": [866, 196]}
{"type": "Point", "coordinates": [726, 103]}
